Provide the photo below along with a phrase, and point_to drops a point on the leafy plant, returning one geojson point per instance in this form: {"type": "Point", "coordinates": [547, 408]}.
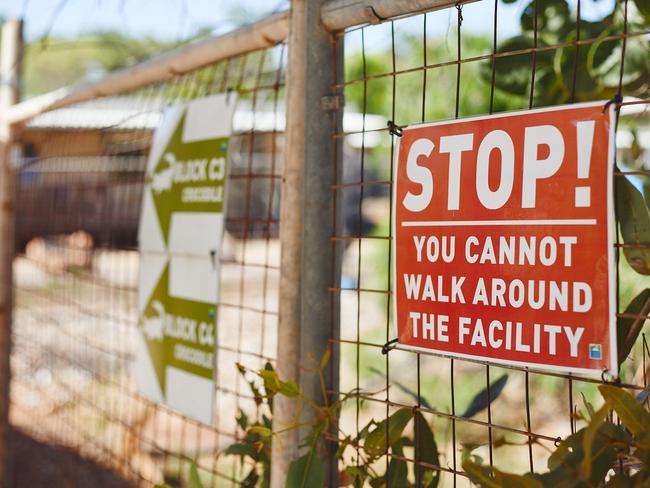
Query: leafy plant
{"type": "Point", "coordinates": [603, 453]}
{"type": "Point", "coordinates": [256, 434]}
{"type": "Point", "coordinates": [405, 429]}
{"type": "Point", "coordinates": [374, 440]}
{"type": "Point", "coordinates": [254, 447]}
{"type": "Point", "coordinates": [595, 65]}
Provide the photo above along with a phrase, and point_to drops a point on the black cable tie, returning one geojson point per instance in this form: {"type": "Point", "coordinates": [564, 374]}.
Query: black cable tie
{"type": "Point", "coordinates": [389, 346]}
{"type": "Point", "coordinates": [618, 99]}
{"type": "Point", "coordinates": [616, 381]}
{"type": "Point", "coordinates": [459, 7]}
{"type": "Point", "coordinates": [395, 129]}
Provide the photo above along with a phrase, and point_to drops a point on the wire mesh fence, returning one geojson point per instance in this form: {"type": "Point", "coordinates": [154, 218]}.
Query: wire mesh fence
{"type": "Point", "coordinates": [80, 190]}
{"type": "Point", "coordinates": [412, 70]}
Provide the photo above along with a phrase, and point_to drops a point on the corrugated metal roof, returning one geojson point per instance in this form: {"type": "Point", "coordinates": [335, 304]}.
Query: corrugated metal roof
{"type": "Point", "coordinates": [132, 113]}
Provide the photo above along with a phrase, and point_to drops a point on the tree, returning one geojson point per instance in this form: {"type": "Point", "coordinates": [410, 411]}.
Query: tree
{"type": "Point", "coordinates": [55, 62]}
{"type": "Point", "coordinates": [566, 72]}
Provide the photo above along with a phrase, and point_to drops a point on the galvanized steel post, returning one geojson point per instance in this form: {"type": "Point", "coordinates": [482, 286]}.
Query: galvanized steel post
{"type": "Point", "coordinates": [10, 64]}
{"type": "Point", "coordinates": [310, 264]}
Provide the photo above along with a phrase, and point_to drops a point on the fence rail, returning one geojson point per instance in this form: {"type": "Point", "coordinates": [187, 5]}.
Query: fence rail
{"type": "Point", "coordinates": [307, 252]}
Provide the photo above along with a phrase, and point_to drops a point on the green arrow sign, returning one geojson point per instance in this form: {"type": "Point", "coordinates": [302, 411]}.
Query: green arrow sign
{"type": "Point", "coordinates": [180, 234]}
{"type": "Point", "coordinates": [189, 177]}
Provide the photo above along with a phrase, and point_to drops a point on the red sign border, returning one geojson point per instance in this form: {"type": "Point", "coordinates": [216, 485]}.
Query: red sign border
{"type": "Point", "coordinates": [611, 226]}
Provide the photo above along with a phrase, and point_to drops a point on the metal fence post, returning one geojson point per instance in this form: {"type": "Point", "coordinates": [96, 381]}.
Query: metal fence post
{"type": "Point", "coordinates": [309, 262]}
{"type": "Point", "coordinates": [10, 63]}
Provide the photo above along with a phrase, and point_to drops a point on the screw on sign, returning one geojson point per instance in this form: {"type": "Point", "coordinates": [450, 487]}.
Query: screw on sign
{"type": "Point", "coordinates": [504, 239]}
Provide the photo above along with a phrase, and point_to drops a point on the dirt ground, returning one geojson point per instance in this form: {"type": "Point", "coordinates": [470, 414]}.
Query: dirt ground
{"type": "Point", "coordinates": [35, 465]}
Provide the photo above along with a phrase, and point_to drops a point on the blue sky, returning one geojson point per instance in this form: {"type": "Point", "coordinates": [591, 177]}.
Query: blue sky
{"type": "Point", "coordinates": [181, 19]}
{"type": "Point", "coordinates": [163, 19]}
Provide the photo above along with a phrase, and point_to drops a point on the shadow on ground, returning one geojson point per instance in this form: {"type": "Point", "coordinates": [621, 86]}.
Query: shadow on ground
{"type": "Point", "coordinates": [35, 465]}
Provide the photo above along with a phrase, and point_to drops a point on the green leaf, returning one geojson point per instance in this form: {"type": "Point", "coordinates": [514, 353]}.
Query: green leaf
{"type": "Point", "coordinates": [634, 219]}
{"type": "Point", "coordinates": [643, 6]}
{"type": "Point", "coordinates": [610, 438]}
{"type": "Point", "coordinates": [241, 368]}
{"type": "Point", "coordinates": [563, 451]}
{"type": "Point", "coordinates": [565, 462]}
{"type": "Point", "coordinates": [571, 467]}
{"type": "Point", "coordinates": [627, 328]}
{"type": "Point", "coordinates": [397, 473]}
{"type": "Point", "coordinates": [632, 414]}
{"type": "Point", "coordinates": [375, 443]}
{"type": "Point", "coordinates": [242, 420]}
{"type": "Point", "coordinates": [588, 85]}
{"type": "Point", "coordinates": [260, 430]}
{"type": "Point", "coordinates": [636, 69]}
{"type": "Point", "coordinates": [256, 393]}
{"type": "Point", "coordinates": [306, 472]}
{"type": "Point", "coordinates": [241, 449]}
{"type": "Point", "coordinates": [289, 389]}
{"type": "Point", "coordinates": [552, 16]}
{"type": "Point", "coordinates": [605, 62]}
{"type": "Point", "coordinates": [427, 451]}
{"type": "Point", "coordinates": [481, 401]}
{"type": "Point", "coordinates": [479, 475]}
{"type": "Point", "coordinates": [195, 479]}
{"type": "Point", "coordinates": [363, 433]}
{"type": "Point", "coordinates": [588, 406]}
{"type": "Point", "coordinates": [325, 359]}
{"type": "Point", "coordinates": [588, 439]}
{"type": "Point", "coordinates": [489, 477]}
{"type": "Point", "coordinates": [513, 74]}
{"type": "Point", "coordinates": [271, 381]}
{"type": "Point", "coordinates": [357, 474]}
